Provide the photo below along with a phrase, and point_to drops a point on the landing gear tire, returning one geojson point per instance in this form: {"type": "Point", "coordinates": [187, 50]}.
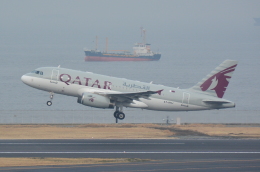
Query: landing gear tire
{"type": "Point", "coordinates": [121, 115]}
{"type": "Point", "coordinates": [116, 114]}
{"type": "Point", "coordinates": [49, 103]}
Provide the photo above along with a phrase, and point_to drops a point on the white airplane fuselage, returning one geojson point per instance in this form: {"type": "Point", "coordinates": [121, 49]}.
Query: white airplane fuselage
{"type": "Point", "coordinates": [120, 92]}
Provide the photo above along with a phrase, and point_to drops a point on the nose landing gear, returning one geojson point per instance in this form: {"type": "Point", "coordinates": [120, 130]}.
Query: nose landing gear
{"type": "Point", "coordinates": [49, 103]}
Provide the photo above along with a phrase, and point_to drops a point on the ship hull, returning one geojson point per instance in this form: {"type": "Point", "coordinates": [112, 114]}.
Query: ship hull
{"type": "Point", "coordinates": [97, 58]}
{"type": "Point", "coordinates": [102, 57]}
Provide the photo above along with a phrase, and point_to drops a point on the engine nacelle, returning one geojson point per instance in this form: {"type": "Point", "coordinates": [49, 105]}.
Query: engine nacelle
{"type": "Point", "coordinates": [95, 100]}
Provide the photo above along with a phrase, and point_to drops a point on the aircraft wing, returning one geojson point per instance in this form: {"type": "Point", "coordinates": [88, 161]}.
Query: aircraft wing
{"type": "Point", "coordinates": [128, 96]}
{"type": "Point", "coordinates": [121, 96]}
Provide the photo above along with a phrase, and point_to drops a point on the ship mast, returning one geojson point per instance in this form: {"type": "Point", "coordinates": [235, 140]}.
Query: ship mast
{"type": "Point", "coordinates": [143, 34]}
{"type": "Point", "coordinates": [144, 38]}
{"type": "Point", "coordinates": [96, 42]}
{"type": "Point", "coordinates": [106, 44]}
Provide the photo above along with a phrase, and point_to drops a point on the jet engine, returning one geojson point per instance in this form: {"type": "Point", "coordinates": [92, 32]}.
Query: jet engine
{"type": "Point", "coordinates": [95, 100]}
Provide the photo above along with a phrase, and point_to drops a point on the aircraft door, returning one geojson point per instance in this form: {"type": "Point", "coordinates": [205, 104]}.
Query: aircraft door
{"type": "Point", "coordinates": [54, 76]}
{"type": "Point", "coordinates": [185, 99]}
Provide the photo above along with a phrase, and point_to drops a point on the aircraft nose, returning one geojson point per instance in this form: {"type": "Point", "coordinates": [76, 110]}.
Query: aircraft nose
{"type": "Point", "coordinates": [25, 79]}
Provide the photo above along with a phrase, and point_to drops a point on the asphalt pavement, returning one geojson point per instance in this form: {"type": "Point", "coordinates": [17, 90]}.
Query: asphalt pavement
{"type": "Point", "coordinates": [163, 154]}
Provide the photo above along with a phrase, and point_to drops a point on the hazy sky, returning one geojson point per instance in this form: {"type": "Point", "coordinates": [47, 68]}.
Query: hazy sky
{"type": "Point", "coordinates": [79, 21]}
{"type": "Point", "coordinates": [36, 33]}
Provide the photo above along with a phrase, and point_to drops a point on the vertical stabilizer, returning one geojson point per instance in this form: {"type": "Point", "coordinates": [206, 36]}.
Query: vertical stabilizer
{"type": "Point", "coordinates": [215, 83]}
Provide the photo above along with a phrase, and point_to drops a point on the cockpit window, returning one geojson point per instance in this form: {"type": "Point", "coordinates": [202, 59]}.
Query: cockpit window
{"type": "Point", "coordinates": [37, 72]}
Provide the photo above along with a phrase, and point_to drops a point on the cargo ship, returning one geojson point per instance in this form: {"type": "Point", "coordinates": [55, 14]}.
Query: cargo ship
{"type": "Point", "coordinates": [141, 52]}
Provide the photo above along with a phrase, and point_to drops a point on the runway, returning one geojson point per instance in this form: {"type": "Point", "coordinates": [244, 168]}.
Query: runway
{"type": "Point", "coordinates": [215, 154]}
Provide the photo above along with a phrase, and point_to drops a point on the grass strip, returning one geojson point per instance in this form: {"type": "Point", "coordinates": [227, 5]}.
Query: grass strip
{"type": "Point", "coordinates": [33, 161]}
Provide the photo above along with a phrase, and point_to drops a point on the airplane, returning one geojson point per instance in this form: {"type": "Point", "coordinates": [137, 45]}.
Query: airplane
{"type": "Point", "coordinates": [108, 92]}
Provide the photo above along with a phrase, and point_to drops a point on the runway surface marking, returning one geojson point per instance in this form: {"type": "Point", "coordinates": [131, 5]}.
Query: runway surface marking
{"type": "Point", "coordinates": [90, 143]}
{"type": "Point", "coordinates": [124, 152]}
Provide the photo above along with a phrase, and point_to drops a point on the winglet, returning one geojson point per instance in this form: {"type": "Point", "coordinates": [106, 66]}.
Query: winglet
{"type": "Point", "coordinates": [159, 92]}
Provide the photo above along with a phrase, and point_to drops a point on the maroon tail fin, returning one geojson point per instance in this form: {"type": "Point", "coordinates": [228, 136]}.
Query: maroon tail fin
{"type": "Point", "coordinates": [216, 83]}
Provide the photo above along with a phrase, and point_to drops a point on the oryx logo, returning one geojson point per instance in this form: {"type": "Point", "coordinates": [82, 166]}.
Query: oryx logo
{"type": "Point", "coordinates": [218, 82]}
{"type": "Point", "coordinates": [92, 99]}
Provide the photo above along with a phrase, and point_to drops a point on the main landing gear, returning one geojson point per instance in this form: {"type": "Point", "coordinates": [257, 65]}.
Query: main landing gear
{"type": "Point", "coordinates": [118, 114]}
{"type": "Point", "coordinates": [49, 103]}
